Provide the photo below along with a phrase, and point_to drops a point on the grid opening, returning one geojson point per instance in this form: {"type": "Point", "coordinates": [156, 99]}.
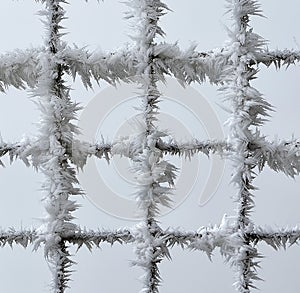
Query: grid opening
{"type": "Point", "coordinates": [278, 33]}
{"type": "Point", "coordinates": [99, 269]}
{"type": "Point", "coordinates": [90, 19]}
{"type": "Point", "coordinates": [280, 94]}
{"type": "Point", "coordinates": [22, 28]}
{"type": "Point", "coordinates": [276, 200]}
{"type": "Point", "coordinates": [203, 275]}
{"type": "Point", "coordinates": [25, 118]}
{"type": "Point", "coordinates": [184, 33]}
{"type": "Point", "coordinates": [279, 268]}
{"type": "Point", "coordinates": [23, 202]}
{"type": "Point", "coordinates": [20, 266]}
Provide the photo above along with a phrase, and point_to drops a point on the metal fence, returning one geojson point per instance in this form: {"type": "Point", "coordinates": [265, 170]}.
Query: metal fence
{"type": "Point", "coordinates": [57, 154]}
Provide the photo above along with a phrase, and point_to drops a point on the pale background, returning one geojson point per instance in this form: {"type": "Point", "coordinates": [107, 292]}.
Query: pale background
{"type": "Point", "coordinates": [107, 270]}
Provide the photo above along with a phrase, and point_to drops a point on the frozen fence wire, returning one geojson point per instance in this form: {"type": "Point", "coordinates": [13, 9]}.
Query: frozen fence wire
{"type": "Point", "coordinates": [57, 154]}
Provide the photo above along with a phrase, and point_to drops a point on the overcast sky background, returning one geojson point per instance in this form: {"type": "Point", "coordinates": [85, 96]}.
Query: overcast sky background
{"type": "Point", "coordinates": [107, 270]}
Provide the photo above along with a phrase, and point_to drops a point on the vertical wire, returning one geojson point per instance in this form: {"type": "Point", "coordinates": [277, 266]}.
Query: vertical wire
{"type": "Point", "coordinates": [249, 108]}
{"type": "Point", "coordinates": [148, 162]}
{"type": "Point", "coordinates": [56, 134]}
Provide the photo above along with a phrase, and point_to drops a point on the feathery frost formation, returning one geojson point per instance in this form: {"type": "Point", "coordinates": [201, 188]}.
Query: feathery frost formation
{"type": "Point", "coordinates": [249, 110]}
{"type": "Point", "coordinates": [152, 172]}
{"type": "Point", "coordinates": [57, 153]}
{"type": "Point", "coordinates": [54, 155]}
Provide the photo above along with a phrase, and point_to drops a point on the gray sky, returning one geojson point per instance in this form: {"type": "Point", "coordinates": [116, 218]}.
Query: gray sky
{"type": "Point", "coordinates": [277, 200]}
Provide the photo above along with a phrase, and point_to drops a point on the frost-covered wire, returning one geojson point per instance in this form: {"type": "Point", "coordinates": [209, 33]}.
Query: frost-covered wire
{"type": "Point", "coordinates": [279, 57]}
{"type": "Point", "coordinates": [249, 110]}
{"type": "Point", "coordinates": [279, 155]}
{"type": "Point", "coordinates": [190, 65]}
{"type": "Point", "coordinates": [53, 157]}
{"type": "Point", "coordinates": [56, 153]}
{"type": "Point", "coordinates": [154, 175]}
{"type": "Point", "coordinates": [277, 238]}
{"type": "Point", "coordinates": [189, 149]}
{"type": "Point", "coordinates": [98, 65]}
{"type": "Point", "coordinates": [91, 239]}
{"type": "Point", "coordinates": [21, 237]}
{"type": "Point", "coordinates": [19, 68]}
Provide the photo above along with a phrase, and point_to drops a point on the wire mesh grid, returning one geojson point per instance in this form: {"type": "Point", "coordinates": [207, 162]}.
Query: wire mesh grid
{"type": "Point", "coordinates": [57, 154]}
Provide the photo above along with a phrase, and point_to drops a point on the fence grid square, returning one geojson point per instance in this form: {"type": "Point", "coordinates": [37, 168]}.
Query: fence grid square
{"type": "Point", "coordinates": [57, 154]}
